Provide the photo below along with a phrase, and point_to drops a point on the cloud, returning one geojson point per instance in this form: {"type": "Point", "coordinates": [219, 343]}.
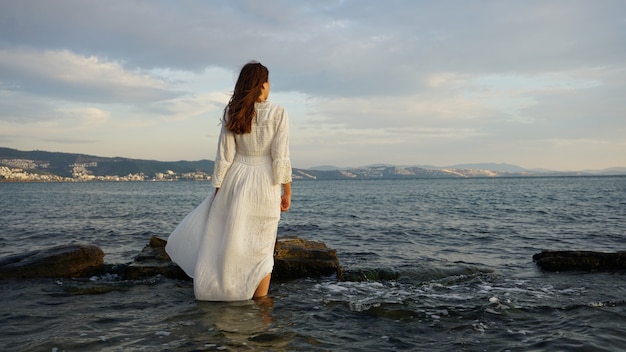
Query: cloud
{"type": "Point", "coordinates": [333, 48]}
{"type": "Point", "coordinates": [70, 140]}
{"type": "Point", "coordinates": [84, 117]}
{"type": "Point", "coordinates": [22, 107]}
{"type": "Point", "coordinates": [65, 75]}
{"type": "Point", "coordinates": [441, 82]}
{"type": "Point", "coordinates": [191, 106]}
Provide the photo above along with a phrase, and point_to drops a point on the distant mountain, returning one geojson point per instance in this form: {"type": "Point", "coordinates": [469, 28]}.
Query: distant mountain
{"type": "Point", "coordinates": [541, 170]}
{"type": "Point", "coordinates": [377, 165]}
{"type": "Point", "coordinates": [384, 171]}
{"type": "Point", "coordinates": [324, 168]}
{"type": "Point", "coordinates": [609, 171]}
{"type": "Point", "coordinates": [500, 167]}
{"type": "Point", "coordinates": [393, 172]}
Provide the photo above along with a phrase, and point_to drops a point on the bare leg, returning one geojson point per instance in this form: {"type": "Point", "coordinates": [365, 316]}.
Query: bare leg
{"type": "Point", "coordinates": [264, 287]}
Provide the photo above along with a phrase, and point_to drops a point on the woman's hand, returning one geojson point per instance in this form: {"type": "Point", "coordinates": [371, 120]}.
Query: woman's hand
{"type": "Point", "coordinates": [285, 202]}
{"type": "Point", "coordinates": [285, 199]}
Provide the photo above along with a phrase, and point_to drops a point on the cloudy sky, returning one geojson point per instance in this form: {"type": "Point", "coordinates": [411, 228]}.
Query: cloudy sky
{"type": "Point", "coordinates": [539, 84]}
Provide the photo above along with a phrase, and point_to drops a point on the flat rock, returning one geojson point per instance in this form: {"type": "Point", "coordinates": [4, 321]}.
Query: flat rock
{"type": "Point", "coordinates": [296, 257]}
{"type": "Point", "coordinates": [580, 260]}
{"type": "Point", "coordinates": [61, 261]}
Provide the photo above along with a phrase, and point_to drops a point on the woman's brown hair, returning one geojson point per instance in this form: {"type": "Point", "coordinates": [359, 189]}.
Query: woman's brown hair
{"type": "Point", "coordinates": [240, 108]}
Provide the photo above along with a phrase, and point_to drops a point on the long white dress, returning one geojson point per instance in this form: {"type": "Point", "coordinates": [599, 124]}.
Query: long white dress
{"type": "Point", "coordinates": [226, 244]}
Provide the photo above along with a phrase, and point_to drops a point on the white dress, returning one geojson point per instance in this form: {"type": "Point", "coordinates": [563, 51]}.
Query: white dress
{"type": "Point", "coordinates": [226, 244]}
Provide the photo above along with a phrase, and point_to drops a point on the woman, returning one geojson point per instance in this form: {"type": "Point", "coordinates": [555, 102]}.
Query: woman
{"type": "Point", "coordinates": [227, 243]}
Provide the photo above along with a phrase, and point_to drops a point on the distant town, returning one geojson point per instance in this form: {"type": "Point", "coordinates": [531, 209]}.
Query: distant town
{"type": "Point", "coordinates": [20, 170]}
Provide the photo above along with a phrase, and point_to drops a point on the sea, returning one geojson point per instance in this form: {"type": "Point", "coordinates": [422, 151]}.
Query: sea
{"type": "Point", "coordinates": [430, 265]}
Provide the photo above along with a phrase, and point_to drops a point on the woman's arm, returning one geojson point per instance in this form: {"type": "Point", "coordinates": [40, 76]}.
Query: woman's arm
{"type": "Point", "coordinates": [281, 163]}
{"type": "Point", "coordinates": [285, 199]}
{"type": "Point", "coordinates": [225, 155]}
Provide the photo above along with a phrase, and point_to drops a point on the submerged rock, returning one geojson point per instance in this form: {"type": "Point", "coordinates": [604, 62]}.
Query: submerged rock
{"type": "Point", "coordinates": [580, 260]}
{"type": "Point", "coordinates": [60, 261]}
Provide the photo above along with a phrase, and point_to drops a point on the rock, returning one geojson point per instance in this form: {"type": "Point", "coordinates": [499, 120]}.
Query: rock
{"type": "Point", "coordinates": [294, 257]}
{"type": "Point", "coordinates": [60, 261]}
{"type": "Point", "coordinates": [580, 260]}
{"type": "Point", "coordinates": [153, 260]}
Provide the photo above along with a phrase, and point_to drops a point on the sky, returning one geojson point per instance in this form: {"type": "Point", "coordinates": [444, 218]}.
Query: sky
{"type": "Point", "coordinates": [534, 83]}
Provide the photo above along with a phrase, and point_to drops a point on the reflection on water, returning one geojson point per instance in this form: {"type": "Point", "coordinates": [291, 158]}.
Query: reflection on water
{"type": "Point", "coordinates": [238, 321]}
{"type": "Point", "coordinates": [242, 325]}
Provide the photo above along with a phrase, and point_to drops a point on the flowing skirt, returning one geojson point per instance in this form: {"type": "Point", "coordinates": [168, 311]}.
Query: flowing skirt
{"type": "Point", "coordinates": [226, 244]}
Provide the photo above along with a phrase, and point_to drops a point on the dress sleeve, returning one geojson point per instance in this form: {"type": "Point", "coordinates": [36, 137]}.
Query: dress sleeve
{"type": "Point", "coordinates": [225, 155]}
{"type": "Point", "coordinates": [281, 162]}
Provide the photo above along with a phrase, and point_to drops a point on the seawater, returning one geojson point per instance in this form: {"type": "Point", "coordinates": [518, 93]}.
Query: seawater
{"type": "Point", "coordinates": [431, 265]}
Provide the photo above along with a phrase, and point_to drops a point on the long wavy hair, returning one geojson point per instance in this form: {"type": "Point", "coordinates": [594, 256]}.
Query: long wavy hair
{"type": "Point", "coordinates": [240, 108]}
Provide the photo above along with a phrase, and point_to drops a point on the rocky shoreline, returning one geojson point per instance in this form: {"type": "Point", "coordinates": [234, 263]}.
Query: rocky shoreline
{"type": "Point", "coordinates": [294, 258]}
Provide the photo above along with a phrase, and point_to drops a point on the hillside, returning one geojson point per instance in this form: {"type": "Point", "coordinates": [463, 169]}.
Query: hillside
{"type": "Point", "coordinates": [65, 164]}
